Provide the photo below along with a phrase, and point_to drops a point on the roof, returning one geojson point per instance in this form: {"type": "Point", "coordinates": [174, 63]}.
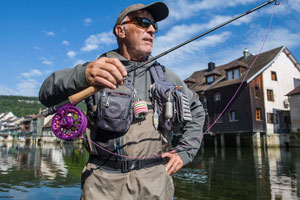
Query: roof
{"type": "Point", "coordinates": [294, 91]}
{"type": "Point", "coordinates": [263, 61]}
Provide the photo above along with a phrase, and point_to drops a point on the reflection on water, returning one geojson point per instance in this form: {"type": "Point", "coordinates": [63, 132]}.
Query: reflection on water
{"type": "Point", "coordinates": [52, 171]}
{"type": "Point", "coordinates": [241, 173]}
{"type": "Point", "coordinates": [29, 171]}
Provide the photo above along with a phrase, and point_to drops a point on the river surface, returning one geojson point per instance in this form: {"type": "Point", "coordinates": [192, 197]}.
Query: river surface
{"type": "Point", "coordinates": [52, 171]}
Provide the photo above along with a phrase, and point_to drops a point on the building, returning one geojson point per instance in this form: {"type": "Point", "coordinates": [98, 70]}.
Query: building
{"type": "Point", "coordinates": [46, 130]}
{"type": "Point", "coordinates": [260, 109]}
{"type": "Point", "coordinates": [9, 126]}
{"type": "Point", "coordinates": [294, 101]}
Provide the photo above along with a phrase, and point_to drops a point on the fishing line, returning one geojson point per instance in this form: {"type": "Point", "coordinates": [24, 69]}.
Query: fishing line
{"type": "Point", "coordinates": [179, 148]}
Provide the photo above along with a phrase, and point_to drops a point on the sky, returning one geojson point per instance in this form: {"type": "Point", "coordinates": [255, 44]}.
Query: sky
{"type": "Point", "coordinates": [38, 37]}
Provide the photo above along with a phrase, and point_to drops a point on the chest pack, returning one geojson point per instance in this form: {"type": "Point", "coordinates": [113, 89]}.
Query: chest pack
{"type": "Point", "coordinates": [171, 105]}
{"type": "Point", "coordinates": [114, 110]}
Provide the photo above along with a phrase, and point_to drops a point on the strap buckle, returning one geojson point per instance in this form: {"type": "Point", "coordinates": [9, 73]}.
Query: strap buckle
{"type": "Point", "coordinates": [129, 165]}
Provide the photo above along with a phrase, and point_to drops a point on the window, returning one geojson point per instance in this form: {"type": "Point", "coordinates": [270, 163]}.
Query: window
{"type": "Point", "coordinates": [217, 96]}
{"type": "Point", "coordinates": [287, 119]}
{"type": "Point", "coordinates": [258, 114]}
{"type": "Point", "coordinates": [270, 95]}
{"type": "Point", "coordinates": [286, 103]}
{"type": "Point", "coordinates": [257, 92]}
{"type": "Point", "coordinates": [210, 79]}
{"type": "Point", "coordinates": [233, 74]}
{"type": "Point", "coordinates": [216, 115]}
{"type": "Point", "coordinates": [203, 101]}
{"type": "Point", "coordinates": [236, 73]}
{"type": "Point", "coordinates": [229, 75]}
{"type": "Point", "coordinates": [233, 116]}
{"type": "Point", "coordinates": [273, 76]}
{"type": "Point", "coordinates": [270, 118]}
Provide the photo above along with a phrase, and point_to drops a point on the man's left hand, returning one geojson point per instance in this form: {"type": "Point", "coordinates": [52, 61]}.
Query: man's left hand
{"type": "Point", "coordinates": [175, 163]}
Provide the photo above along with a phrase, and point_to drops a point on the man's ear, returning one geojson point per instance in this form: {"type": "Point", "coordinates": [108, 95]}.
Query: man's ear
{"type": "Point", "coordinates": [120, 31]}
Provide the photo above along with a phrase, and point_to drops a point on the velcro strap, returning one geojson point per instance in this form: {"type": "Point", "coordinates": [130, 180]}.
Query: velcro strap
{"type": "Point", "coordinates": [127, 165]}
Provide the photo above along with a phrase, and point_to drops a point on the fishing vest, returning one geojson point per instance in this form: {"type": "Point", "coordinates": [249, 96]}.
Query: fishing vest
{"type": "Point", "coordinates": [115, 126]}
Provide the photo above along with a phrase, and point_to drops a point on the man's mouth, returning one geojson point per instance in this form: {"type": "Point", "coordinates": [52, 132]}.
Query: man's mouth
{"type": "Point", "coordinates": [148, 40]}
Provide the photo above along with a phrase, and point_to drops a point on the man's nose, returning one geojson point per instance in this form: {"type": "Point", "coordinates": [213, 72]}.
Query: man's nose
{"type": "Point", "coordinates": [151, 29]}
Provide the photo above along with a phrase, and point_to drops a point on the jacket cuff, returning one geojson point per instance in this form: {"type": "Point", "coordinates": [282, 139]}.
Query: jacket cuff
{"type": "Point", "coordinates": [81, 76]}
{"type": "Point", "coordinates": [184, 157]}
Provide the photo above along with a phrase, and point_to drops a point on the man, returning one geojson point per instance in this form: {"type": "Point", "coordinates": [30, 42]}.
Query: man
{"type": "Point", "coordinates": [132, 169]}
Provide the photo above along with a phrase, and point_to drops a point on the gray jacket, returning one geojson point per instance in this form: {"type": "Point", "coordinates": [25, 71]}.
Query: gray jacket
{"type": "Point", "coordinates": [61, 84]}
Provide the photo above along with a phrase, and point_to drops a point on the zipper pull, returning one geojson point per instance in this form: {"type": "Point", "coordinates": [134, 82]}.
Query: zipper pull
{"type": "Point", "coordinates": [107, 101]}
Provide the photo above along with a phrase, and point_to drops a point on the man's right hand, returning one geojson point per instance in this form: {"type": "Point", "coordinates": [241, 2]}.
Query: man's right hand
{"type": "Point", "coordinates": [107, 72]}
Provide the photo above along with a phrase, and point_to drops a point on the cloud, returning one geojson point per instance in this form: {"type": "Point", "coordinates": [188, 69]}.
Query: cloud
{"type": "Point", "coordinates": [7, 91]}
{"type": "Point", "coordinates": [71, 54]}
{"type": "Point", "coordinates": [93, 41]}
{"type": "Point", "coordinates": [37, 48]}
{"type": "Point", "coordinates": [52, 34]}
{"type": "Point", "coordinates": [80, 61]}
{"type": "Point", "coordinates": [254, 42]}
{"type": "Point", "coordinates": [275, 39]}
{"type": "Point", "coordinates": [28, 87]}
{"type": "Point", "coordinates": [87, 21]}
{"type": "Point", "coordinates": [294, 4]}
{"type": "Point", "coordinates": [66, 43]}
{"type": "Point", "coordinates": [31, 73]}
{"type": "Point", "coordinates": [195, 50]}
{"type": "Point", "coordinates": [181, 33]}
{"type": "Point", "coordinates": [185, 9]}
{"type": "Point", "coordinates": [46, 61]}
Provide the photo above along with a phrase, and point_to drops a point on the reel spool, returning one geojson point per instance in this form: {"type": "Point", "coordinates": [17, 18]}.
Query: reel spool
{"type": "Point", "coordinates": [69, 123]}
{"type": "Point", "coordinates": [140, 109]}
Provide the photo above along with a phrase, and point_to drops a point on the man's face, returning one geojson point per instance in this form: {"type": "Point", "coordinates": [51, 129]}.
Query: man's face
{"type": "Point", "coordinates": [139, 41]}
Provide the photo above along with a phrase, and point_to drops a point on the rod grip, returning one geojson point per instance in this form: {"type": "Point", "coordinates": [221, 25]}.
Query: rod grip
{"type": "Point", "coordinates": [75, 98]}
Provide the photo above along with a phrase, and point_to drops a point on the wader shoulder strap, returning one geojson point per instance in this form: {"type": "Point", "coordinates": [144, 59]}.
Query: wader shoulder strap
{"type": "Point", "coordinates": [157, 72]}
{"type": "Point", "coordinates": [91, 145]}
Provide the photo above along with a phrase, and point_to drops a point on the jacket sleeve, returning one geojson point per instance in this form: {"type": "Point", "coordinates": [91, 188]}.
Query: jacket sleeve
{"type": "Point", "coordinates": [192, 134]}
{"type": "Point", "coordinates": [62, 84]}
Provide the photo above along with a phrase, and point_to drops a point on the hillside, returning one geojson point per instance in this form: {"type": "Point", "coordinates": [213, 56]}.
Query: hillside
{"type": "Point", "coordinates": [22, 106]}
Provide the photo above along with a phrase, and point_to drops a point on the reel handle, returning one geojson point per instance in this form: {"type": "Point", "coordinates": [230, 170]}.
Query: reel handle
{"type": "Point", "coordinates": [75, 98]}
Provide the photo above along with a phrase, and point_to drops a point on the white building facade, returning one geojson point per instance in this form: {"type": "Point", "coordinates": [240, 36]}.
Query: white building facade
{"type": "Point", "coordinates": [279, 77]}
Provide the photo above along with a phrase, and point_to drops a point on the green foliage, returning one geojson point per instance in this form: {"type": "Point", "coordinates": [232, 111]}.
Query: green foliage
{"type": "Point", "coordinates": [22, 106]}
{"type": "Point", "coordinates": [19, 105]}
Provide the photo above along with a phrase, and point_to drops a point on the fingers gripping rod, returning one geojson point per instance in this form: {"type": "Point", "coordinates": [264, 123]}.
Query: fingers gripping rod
{"type": "Point", "coordinates": [75, 98]}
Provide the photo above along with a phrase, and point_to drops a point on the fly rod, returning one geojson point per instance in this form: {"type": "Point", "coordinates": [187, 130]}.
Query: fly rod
{"type": "Point", "coordinates": [203, 34]}
{"type": "Point", "coordinates": [76, 98]}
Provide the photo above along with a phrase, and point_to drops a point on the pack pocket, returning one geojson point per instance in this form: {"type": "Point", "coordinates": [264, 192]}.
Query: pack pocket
{"type": "Point", "coordinates": [114, 111]}
{"type": "Point", "coordinates": [163, 92]}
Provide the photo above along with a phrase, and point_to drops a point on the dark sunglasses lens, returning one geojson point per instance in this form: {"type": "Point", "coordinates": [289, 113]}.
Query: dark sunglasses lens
{"type": "Point", "coordinates": [145, 23]}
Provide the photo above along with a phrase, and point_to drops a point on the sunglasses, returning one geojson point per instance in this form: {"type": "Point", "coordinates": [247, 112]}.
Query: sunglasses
{"type": "Point", "coordinates": [143, 23]}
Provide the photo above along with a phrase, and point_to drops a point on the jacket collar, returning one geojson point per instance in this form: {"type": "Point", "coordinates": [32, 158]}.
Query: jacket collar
{"type": "Point", "coordinates": [129, 64]}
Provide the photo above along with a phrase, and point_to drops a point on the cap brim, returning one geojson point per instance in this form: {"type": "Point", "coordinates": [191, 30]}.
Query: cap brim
{"type": "Point", "coordinates": [158, 10]}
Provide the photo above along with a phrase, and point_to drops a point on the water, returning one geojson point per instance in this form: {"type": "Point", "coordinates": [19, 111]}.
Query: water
{"type": "Point", "coordinates": [52, 171]}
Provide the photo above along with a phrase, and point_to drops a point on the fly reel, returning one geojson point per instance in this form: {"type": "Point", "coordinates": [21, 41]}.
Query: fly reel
{"type": "Point", "coordinates": [69, 123]}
